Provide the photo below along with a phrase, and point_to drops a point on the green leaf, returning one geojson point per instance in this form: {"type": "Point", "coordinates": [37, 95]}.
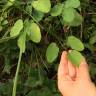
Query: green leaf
{"type": "Point", "coordinates": [92, 40]}
{"type": "Point", "coordinates": [1, 28]}
{"type": "Point", "coordinates": [56, 10]}
{"type": "Point", "coordinates": [10, 3]}
{"type": "Point", "coordinates": [7, 68]}
{"type": "Point", "coordinates": [52, 52]}
{"type": "Point", "coordinates": [38, 15]}
{"type": "Point", "coordinates": [68, 14]}
{"type": "Point", "coordinates": [34, 33]}
{"type": "Point", "coordinates": [93, 33]}
{"type": "Point", "coordinates": [5, 22]}
{"type": "Point", "coordinates": [29, 9]}
{"type": "Point", "coordinates": [22, 42]}
{"type": "Point", "coordinates": [75, 57]}
{"type": "Point", "coordinates": [90, 47]}
{"type": "Point", "coordinates": [75, 43]}
{"type": "Point", "coordinates": [94, 18]}
{"type": "Point", "coordinates": [72, 3]}
{"type": "Point", "coordinates": [18, 26]}
{"type": "Point", "coordinates": [77, 20]}
{"type": "Point", "coordinates": [42, 5]}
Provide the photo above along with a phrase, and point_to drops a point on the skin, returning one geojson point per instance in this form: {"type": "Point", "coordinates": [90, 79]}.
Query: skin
{"type": "Point", "coordinates": [73, 81]}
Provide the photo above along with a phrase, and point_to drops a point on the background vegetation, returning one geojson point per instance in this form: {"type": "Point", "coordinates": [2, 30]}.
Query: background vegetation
{"type": "Point", "coordinates": [53, 22]}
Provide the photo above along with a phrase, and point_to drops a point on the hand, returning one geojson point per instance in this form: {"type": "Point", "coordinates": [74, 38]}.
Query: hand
{"type": "Point", "coordinates": [73, 81]}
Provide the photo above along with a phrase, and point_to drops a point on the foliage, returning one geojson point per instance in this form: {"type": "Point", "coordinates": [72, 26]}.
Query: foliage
{"type": "Point", "coordinates": [52, 52]}
{"type": "Point", "coordinates": [76, 46]}
{"type": "Point", "coordinates": [76, 61]}
{"type": "Point", "coordinates": [75, 43]}
{"type": "Point", "coordinates": [33, 33]}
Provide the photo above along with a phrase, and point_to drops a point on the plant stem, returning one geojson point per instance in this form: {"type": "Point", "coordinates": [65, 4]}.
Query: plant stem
{"type": "Point", "coordinates": [16, 75]}
{"type": "Point", "coordinates": [5, 39]}
{"type": "Point", "coordinates": [5, 34]}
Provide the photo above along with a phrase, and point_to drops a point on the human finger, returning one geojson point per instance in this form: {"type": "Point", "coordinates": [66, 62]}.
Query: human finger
{"type": "Point", "coordinates": [63, 66]}
{"type": "Point", "coordinates": [83, 72]}
{"type": "Point", "coordinates": [72, 70]}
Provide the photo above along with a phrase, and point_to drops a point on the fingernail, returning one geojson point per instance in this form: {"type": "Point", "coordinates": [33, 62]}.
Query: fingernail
{"type": "Point", "coordinates": [64, 52]}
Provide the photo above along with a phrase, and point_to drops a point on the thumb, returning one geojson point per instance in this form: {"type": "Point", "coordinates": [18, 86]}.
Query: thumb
{"type": "Point", "coordinates": [83, 72]}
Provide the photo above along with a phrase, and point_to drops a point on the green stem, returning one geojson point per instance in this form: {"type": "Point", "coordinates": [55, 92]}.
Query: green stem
{"type": "Point", "coordinates": [4, 39]}
{"type": "Point", "coordinates": [4, 36]}
{"type": "Point", "coordinates": [16, 75]}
